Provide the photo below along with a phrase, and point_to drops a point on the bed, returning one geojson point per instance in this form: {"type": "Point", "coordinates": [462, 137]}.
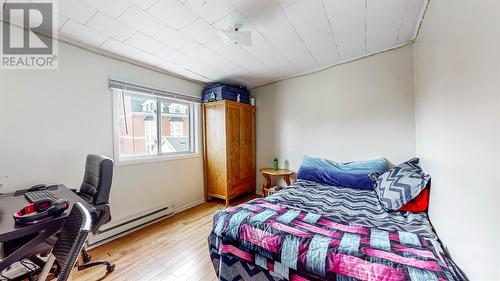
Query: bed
{"type": "Point", "coordinates": [312, 231]}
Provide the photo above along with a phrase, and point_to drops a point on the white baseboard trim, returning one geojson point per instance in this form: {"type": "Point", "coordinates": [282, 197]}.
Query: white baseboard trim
{"type": "Point", "coordinates": [188, 206]}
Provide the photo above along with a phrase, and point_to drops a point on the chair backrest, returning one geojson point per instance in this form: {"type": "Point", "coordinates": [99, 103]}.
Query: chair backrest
{"type": "Point", "coordinates": [97, 179]}
{"type": "Point", "coordinates": [71, 239]}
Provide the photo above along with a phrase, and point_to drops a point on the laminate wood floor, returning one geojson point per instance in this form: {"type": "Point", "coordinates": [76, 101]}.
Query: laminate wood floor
{"type": "Point", "coordinates": [173, 249]}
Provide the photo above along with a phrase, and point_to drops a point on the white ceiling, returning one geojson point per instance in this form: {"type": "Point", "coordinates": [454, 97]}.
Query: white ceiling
{"type": "Point", "coordinates": [289, 37]}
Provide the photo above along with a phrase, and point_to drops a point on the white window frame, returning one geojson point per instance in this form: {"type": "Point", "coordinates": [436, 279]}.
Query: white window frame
{"type": "Point", "coordinates": [194, 131]}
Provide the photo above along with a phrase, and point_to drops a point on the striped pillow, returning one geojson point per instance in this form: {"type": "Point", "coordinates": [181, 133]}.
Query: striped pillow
{"type": "Point", "coordinates": [401, 184]}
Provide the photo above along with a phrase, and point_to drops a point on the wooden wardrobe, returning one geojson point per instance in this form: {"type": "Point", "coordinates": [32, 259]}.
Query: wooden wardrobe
{"type": "Point", "coordinates": [229, 149]}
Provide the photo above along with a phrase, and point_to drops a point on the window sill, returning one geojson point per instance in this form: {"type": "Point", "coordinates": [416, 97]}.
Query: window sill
{"type": "Point", "coordinates": [145, 160]}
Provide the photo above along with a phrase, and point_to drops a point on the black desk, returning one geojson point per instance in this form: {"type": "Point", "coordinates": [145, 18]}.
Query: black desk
{"type": "Point", "coordinates": [9, 204]}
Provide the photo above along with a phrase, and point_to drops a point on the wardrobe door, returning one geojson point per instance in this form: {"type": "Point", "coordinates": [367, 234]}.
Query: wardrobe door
{"type": "Point", "coordinates": [233, 136]}
{"type": "Point", "coordinates": [215, 149]}
{"type": "Point", "coordinates": [247, 144]}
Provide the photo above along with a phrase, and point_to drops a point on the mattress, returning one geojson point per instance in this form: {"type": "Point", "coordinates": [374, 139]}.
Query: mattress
{"type": "Point", "coordinates": [311, 231]}
{"type": "Point", "coordinates": [352, 206]}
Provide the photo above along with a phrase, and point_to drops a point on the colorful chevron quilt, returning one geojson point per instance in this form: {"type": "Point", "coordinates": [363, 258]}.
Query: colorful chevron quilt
{"type": "Point", "coordinates": [285, 242]}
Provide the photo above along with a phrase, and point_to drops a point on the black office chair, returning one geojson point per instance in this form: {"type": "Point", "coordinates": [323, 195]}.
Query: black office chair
{"type": "Point", "coordinates": [95, 190]}
{"type": "Point", "coordinates": [69, 243]}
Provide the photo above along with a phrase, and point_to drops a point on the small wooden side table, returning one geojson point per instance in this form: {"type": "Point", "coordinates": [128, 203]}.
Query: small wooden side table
{"type": "Point", "coordinates": [268, 172]}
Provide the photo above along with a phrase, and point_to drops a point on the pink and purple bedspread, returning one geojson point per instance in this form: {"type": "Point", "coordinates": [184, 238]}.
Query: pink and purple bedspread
{"type": "Point", "coordinates": [274, 241]}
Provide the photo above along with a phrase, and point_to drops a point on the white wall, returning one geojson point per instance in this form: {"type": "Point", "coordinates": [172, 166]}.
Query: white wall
{"type": "Point", "coordinates": [457, 59]}
{"type": "Point", "coordinates": [50, 121]}
{"type": "Point", "coordinates": [356, 111]}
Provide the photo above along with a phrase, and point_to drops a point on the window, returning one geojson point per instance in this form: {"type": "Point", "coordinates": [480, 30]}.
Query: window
{"type": "Point", "coordinates": [177, 108]}
{"type": "Point", "coordinates": [150, 135]}
{"type": "Point", "coordinates": [153, 126]}
{"type": "Point", "coordinates": [149, 105]}
{"type": "Point", "coordinates": [176, 129]}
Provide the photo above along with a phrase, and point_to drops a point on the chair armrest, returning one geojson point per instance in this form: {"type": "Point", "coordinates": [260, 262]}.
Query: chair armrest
{"type": "Point", "coordinates": [103, 212]}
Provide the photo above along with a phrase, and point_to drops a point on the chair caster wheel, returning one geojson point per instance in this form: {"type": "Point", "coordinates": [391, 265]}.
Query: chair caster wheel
{"type": "Point", "coordinates": [110, 268]}
{"type": "Point", "coordinates": [86, 258]}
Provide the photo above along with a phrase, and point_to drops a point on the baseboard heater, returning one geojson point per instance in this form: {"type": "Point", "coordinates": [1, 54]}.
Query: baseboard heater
{"type": "Point", "coordinates": [122, 228]}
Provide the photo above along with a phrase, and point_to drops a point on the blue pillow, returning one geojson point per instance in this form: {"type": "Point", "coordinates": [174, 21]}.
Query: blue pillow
{"type": "Point", "coordinates": [354, 175]}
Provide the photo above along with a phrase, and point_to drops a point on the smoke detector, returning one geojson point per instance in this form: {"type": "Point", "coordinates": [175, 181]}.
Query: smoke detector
{"type": "Point", "coordinates": [234, 36]}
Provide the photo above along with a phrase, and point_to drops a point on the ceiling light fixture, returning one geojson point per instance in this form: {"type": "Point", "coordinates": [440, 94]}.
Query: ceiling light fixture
{"type": "Point", "coordinates": [233, 36]}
